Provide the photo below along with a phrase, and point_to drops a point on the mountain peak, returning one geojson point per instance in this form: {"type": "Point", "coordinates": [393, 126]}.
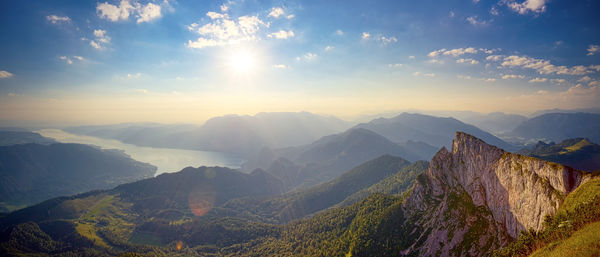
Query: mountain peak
{"type": "Point", "coordinates": [478, 184]}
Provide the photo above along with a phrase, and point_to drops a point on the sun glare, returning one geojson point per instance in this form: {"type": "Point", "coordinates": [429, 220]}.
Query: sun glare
{"type": "Point", "coordinates": [242, 62]}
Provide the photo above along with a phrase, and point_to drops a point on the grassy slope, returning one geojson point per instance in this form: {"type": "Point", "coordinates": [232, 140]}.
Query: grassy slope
{"type": "Point", "coordinates": [585, 242]}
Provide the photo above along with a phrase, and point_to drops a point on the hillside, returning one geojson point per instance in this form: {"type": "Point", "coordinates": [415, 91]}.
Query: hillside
{"type": "Point", "coordinates": [31, 173]}
{"type": "Point", "coordinates": [8, 137]}
{"type": "Point", "coordinates": [298, 204]}
{"type": "Point", "coordinates": [432, 130]}
{"type": "Point", "coordinates": [578, 153]}
{"type": "Point", "coordinates": [560, 126]}
{"type": "Point", "coordinates": [326, 158]}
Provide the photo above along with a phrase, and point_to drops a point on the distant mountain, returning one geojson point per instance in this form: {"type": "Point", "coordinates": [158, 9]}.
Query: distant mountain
{"type": "Point", "coordinates": [495, 122]}
{"type": "Point", "coordinates": [22, 137]}
{"type": "Point", "coordinates": [432, 130]}
{"type": "Point", "coordinates": [232, 133]}
{"type": "Point", "coordinates": [560, 126]}
{"type": "Point", "coordinates": [328, 157]}
{"type": "Point", "coordinates": [31, 173]}
{"type": "Point", "coordinates": [556, 110]}
{"type": "Point", "coordinates": [578, 153]}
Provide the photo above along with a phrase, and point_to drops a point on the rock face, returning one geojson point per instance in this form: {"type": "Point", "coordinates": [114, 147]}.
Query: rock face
{"type": "Point", "coordinates": [476, 197]}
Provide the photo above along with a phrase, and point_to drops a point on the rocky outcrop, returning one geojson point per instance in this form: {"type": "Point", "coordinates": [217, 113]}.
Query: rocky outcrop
{"type": "Point", "coordinates": [476, 197]}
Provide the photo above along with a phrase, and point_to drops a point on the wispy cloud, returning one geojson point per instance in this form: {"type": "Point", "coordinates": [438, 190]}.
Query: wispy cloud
{"type": "Point", "coordinates": [282, 34]}
{"type": "Point", "coordinates": [395, 65]}
{"type": "Point", "coordinates": [339, 32]}
{"type": "Point", "coordinates": [366, 35]}
{"type": "Point", "coordinates": [538, 80]}
{"type": "Point", "coordinates": [453, 52]}
{"type": "Point", "coordinates": [280, 66]}
{"type": "Point", "coordinates": [277, 12]}
{"type": "Point", "coordinates": [593, 49]}
{"type": "Point", "coordinates": [512, 76]}
{"type": "Point", "coordinates": [468, 60]}
{"type": "Point", "coordinates": [475, 21]}
{"type": "Point", "coordinates": [54, 19]}
{"type": "Point", "coordinates": [5, 74]}
{"type": "Point", "coordinates": [545, 67]}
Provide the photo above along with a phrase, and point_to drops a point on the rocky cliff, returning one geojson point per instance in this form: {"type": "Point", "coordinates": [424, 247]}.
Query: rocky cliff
{"type": "Point", "coordinates": [476, 197]}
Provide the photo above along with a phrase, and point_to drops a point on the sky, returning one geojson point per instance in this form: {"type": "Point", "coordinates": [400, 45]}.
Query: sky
{"type": "Point", "coordinates": [178, 61]}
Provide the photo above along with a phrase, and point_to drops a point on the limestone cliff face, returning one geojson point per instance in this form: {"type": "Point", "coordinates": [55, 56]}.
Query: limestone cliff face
{"type": "Point", "coordinates": [474, 198]}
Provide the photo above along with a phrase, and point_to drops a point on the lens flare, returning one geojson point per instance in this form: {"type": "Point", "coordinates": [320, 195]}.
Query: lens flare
{"type": "Point", "coordinates": [201, 200]}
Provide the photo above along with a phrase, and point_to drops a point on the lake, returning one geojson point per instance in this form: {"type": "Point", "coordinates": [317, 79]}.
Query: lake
{"type": "Point", "coordinates": [165, 159]}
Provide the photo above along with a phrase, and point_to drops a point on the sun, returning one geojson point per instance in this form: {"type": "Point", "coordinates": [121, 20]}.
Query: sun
{"type": "Point", "coordinates": [242, 61]}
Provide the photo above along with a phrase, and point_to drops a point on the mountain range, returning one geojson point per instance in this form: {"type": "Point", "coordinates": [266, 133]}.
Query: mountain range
{"type": "Point", "coordinates": [231, 133]}
{"type": "Point", "coordinates": [472, 200]}
{"type": "Point", "coordinates": [31, 173]}
{"type": "Point", "coordinates": [578, 153]}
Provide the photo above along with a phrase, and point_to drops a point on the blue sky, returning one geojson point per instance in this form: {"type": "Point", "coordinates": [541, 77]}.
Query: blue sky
{"type": "Point", "coordinates": [186, 61]}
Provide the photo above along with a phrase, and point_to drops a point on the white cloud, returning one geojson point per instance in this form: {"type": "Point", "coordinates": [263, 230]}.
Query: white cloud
{"type": "Point", "coordinates": [436, 53]}
{"type": "Point", "coordinates": [96, 45]}
{"type": "Point", "coordinates": [57, 19]}
{"type": "Point", "coordinates": [494, 58]}
{"type": "Point", "coordinates": [494, 11]}
{"type": "Point", "coordinates": [431, 75]}
{"type": "Point", "coordinates": [329, 48]}
{"type": "Point", "coordinates": [282, 34]}
{"type": "Point", "coordinates": [416, 73]}
{"type": "Point", "coordinates": [395, 65]}
{"type": "Point", "coordinates": [538, 80]}
{"type": "Point", "coordinates": [113, 12]}
{"type": "Point", "coordinates": [5, 74]}
{"type": "Point", "coordinates": [475, 1]}
{"type": "Point", "coordinates": [468, 60]}
{"type": "Point", "coordinates": [66, 59]}
{"type": "Point", "coordinates": [453, 52]}
{"type": "Point", "coordinates": [451, 14]}
{"type": "Point", "coordinates": [593, 49]}
{"type": "Point", "coordinates": [545, 67]}
{"type": "Point", "coordinates": [276, 12]}
{"type": "Point", "coordinates": [100, 40]}
{"type": "Point", "coordinates": [463, 77]}
{"type": "Point", "coordinates": [512, 76]}
{"type": "Point", "coordinates": [535, 6]}
{"type": "Point", "coordinates": [584, 79]}
{"type": "Point", "coordinates": [148, 13]}
{"type": "Point", "coordinates": [490, 80]}
{"type": "Point", "coordinates": [70, 60]}
{"type": "Point", "coordinates": [142, 91]}
{"type": "Point", "coordinates": [412, 57]}
{"type": "Point", "coordinates": [475, 21]}
{"type": "Point", "coordinates": [387, 40]}
{"type": "Point", "coordinates": [280, 66]}
{"type": "Point", "coordinates": [435, 61]}
{"type": "Point", "coordinates": [144, 13]}
{"type": "Point", "coordinates": [365, 35]}
{"type": "Point", "coordinates": [339, 32]}
{"type": "Point", "coordinates": [310, 56]}
{"type": "Point", "coordinates": [224, 7]}
{"type": "Point", "coordinates": [223, 30]}
{"type": "Point", "coordinates": [558, 81]}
